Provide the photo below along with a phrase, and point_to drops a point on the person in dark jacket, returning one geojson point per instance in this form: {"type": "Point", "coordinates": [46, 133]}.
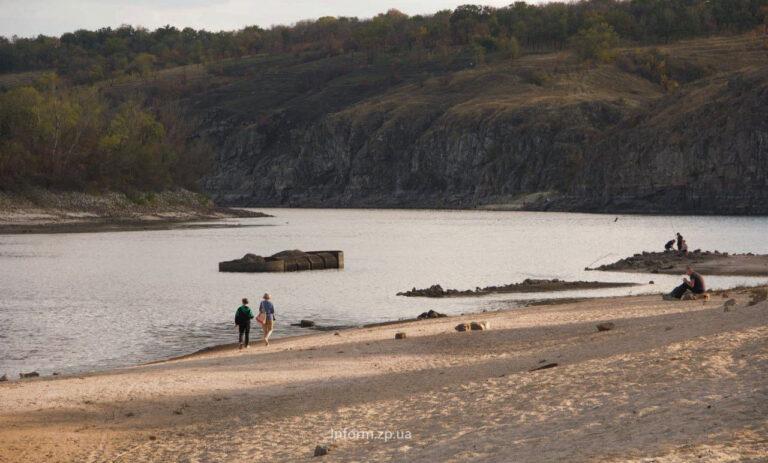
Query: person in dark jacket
{"type": "Point", "coordinates": [680, 241]}
{"type": "Point", "coordinates": [670, 245]}
{"type": "Point", "coordinates": [243, 317]}
{"type": "Point", "coordinates": [694, 283]}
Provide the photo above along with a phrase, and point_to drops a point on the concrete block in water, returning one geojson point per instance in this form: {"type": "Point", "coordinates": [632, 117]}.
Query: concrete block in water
{"type": "Point", "coordinates": [285, 261]}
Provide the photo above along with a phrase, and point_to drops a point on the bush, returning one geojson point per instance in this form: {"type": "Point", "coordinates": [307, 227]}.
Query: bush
{"type": "Point", "coordinates": [596, 42]}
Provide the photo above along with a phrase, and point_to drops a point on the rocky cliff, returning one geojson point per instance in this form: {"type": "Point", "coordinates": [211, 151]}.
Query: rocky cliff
{"type": "Point", "coordinates": [540, 132]}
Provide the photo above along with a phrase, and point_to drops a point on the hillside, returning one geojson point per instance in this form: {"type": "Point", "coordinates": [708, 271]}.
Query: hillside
{"type": "Point", "coordinates": [675, 128]}
{"type": "Point", "coordinates": [595, 105]}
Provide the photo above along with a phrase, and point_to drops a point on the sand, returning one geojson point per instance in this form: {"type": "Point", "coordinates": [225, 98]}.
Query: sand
{"type": "Point", "coordinates": [673, 382]}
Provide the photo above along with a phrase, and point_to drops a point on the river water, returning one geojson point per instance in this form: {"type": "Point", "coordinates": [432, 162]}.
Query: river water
{"type": "Point", "coordinates": [93, 301]}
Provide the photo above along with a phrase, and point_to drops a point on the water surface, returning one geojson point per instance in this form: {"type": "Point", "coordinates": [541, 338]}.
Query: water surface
{"type": "Point", "coordinates": [91, 301]}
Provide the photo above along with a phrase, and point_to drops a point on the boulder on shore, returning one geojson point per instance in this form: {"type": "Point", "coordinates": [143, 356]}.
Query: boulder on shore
{"type": "Point", "coordinates": [431, 314]}
{"type": "Point", "coordinates": [462, 327]}
{"type": "Point", "coordinates": [606, 326]}
{"type": "Point", "coordinates": [480, 326]}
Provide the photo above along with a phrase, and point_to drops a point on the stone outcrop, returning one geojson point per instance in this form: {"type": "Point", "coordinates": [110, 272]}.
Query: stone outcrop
{"type": "Point", "coordinates": [588, 139]}
{"type": "Point", "coordinates": [527, 286]}
{"type": "Point", "coordinates": [704, 262]}
{"type": "Point", "coordinates": [285, 261]}
{"type": "Point", "coordinates": [431, 314]}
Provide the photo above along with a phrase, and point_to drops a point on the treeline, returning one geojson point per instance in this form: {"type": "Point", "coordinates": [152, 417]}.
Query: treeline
{"type": "Point", "coordinates": [88, 56]}
{"type": "Point", "coordinates": [74, 138]}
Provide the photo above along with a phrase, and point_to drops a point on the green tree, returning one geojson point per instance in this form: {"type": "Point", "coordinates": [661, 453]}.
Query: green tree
{"type": "Point", "coordinates": [596, 41]}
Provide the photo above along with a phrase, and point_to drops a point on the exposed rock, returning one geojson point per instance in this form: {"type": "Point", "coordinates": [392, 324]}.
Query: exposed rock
{"type": "Point", "coordinates": [480, 326]}
{"type": "Point", "coordinates": [606, 326]}
{"type": "Point", "coordinates": [431, 314]}
{"type": "Point", "coordinates": [527, 286]}
{"type": "Point", "coordinates": [3, 378]}
{"type": "Point", "coordinates": [400, 335]}
{"type": "Point", "coordinates": [285, 261]}
{"type": "Point", "coordinates": [322, 450]}
{"type": "Point", "coordinates": [32, 374]}
{"type": "Point", "coordinates": [304, 324]}
{"type": "Point", "coordinates": [544, 367]}
{"type": "Point", "coordinates": [706, 263]}
{"type": "Point", "coordinates": [462, 327]}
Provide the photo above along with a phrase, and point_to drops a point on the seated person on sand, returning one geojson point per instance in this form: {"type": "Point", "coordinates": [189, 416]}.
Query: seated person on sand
{"type": "Point", "coordinates": [695, 285]}
{"type": "Point", "coordinates": [670, 245]}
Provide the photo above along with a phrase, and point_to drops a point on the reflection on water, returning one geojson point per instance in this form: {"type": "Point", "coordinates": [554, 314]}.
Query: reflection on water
{"type": "Point", "coordinates": [72, 302]}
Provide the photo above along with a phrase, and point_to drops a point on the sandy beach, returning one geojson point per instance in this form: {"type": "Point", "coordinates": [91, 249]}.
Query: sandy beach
{"type": "Point", "coordinates": [673, 382]}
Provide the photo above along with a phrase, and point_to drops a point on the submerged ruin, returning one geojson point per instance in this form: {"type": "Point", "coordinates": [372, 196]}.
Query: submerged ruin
{"type": "Point", "coordinates": [285, 261]}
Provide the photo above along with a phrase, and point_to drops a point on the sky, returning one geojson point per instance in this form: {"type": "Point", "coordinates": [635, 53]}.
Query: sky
{"type": "Point", "coordinates": [27, 18]}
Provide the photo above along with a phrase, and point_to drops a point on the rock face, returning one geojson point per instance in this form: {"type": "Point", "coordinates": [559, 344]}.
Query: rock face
{"type": "Point", "coordinates": [584, 138]}
{"type": "Point", "coordinates": [286, 261]}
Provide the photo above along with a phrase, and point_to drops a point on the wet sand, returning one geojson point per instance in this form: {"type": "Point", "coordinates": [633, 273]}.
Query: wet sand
{"type": "Point", "coordinates": [673, 382]}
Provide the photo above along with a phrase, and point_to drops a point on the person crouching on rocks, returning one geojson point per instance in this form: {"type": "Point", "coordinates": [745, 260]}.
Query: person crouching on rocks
{"type": "Point", "coordinates": [695, 285]}
{"type": "Point", "coordinates": [267, 311]}
{"type": "Point", "coordinates": [243, 317]}
{"type": "Point", "coordinates": [669, 246]}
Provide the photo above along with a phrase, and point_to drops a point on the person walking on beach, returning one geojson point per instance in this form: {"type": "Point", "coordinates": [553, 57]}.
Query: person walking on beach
{"type": "Point", "coordinates": [694, 283]}
{"type": "Point", "coordinates": [268, 310]}
{"type": "Point", "coordinates": [243, 317]}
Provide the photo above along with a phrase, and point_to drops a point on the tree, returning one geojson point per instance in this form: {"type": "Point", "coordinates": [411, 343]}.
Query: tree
{"type": "Point", "coordinates": [596, 41]}
{"type": "Point", "coordinates": [143, 64]}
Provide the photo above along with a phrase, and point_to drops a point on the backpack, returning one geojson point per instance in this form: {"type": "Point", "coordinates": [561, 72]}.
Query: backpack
{"type": "Point", "coordinates": [241, 316]}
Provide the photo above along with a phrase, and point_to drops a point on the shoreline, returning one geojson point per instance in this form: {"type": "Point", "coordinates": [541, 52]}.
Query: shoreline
{"type": "Point", "coordinates": [126, 224]}
{"type": "Point", "coordinates": [321, 331]}
{"type": "Point", "coordinates": [645, 389]}
{"type": "Point", "coordinates": [38, 211]}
